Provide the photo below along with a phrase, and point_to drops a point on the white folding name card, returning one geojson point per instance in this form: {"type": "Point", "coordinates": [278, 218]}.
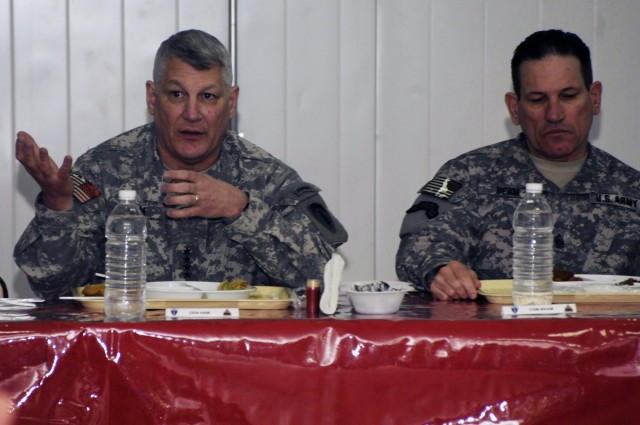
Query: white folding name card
{"type": "Point", "coordinates": [539, 310]}
{"type": "Point", "coordinates": [202, 313]}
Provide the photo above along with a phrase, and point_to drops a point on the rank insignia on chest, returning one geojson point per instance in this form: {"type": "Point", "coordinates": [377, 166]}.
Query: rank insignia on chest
{"type": "Point", "coordinates": [441, 187]}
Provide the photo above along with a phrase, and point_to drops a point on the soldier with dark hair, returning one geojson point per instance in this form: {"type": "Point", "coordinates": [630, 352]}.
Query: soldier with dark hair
{"type": "Point", "coordinates": [459, 229]}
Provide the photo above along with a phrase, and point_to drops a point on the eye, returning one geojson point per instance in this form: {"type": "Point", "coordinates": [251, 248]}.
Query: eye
{"type": "Point", "coordinates": [537, 99]}
{"type": "Point", "coordinates": [209, 96]}
{"type": "Point", "coordinates": [176, 94]}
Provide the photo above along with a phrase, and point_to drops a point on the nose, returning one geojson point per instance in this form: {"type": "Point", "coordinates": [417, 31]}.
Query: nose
{"type": "Point", "coordinates": [191, 110]}
{"type": "Point", "coordinates": [555, 111]}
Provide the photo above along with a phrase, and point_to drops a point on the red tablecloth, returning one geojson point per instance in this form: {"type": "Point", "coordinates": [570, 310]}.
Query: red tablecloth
{"type": "Point", "coordinates": [345, 370]}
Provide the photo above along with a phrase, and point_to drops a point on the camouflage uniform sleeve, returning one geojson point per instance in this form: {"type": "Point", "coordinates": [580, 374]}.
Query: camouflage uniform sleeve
{"type": "Point", "coordinates": [292, 238]}
{"type": "Point", "coordinates": [438, 228]}
{"type": "Point", "coordinates": [57, 250]}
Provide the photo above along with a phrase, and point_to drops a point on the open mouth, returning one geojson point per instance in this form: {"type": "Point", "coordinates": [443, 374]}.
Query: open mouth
{"type": "Point", "coordinates": [191, 134]}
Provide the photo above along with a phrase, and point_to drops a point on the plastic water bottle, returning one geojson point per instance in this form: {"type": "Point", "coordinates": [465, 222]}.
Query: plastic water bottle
{"type": "Point", "coordinates": [125, 284]}
{"type": "Point", "coordinates": [533, 249]}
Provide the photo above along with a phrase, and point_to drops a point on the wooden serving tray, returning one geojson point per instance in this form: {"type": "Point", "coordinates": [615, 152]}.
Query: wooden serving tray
{"type": "Point", "coordinates": [264, 298]}
{"type": "Point", "coordinates": [499, 292]}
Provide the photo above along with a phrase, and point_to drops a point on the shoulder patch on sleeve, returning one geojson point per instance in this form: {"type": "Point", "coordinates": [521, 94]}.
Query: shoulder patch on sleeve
{"type": "Point", "coordinates": [306, 197]}
{"type": "Point", "coordinates": [430, 209]}
{"type": "Point", "coordinates": [83, 189]}
{"type": "Point", "coordinates": [441, 187]}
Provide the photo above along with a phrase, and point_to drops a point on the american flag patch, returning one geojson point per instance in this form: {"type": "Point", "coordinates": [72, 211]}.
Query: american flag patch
{"type": "Point", "coordinates": [83, 189]}
{"type": "Point", "coordinates": [441, 187]}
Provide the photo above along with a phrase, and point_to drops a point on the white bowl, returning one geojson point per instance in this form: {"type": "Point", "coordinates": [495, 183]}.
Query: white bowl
{"type": "Point", "coordinates": [387, 302]}
{"type": "Point", "coordinates": [383, 302]}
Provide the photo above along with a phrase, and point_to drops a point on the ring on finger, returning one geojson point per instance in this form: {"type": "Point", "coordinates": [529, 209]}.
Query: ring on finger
{"type": "Point", "coordinates": [196, 198]}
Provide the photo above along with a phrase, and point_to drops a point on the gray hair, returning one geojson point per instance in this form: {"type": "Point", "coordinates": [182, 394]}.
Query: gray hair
{"type": "Point", "coordinates": [197, 48]}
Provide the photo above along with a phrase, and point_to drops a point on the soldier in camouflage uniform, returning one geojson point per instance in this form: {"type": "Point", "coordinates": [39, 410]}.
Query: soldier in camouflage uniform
{"type": "Point", "coordinates": [227, 208]}
{"type": "Point", "coordinates": [459, 230]}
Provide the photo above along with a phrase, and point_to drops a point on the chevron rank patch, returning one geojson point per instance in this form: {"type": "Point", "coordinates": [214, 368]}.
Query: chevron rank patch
{"type": "Point", "coordinates": [83, 189]}
{"type": "Point", "coordinates": [441, 187]}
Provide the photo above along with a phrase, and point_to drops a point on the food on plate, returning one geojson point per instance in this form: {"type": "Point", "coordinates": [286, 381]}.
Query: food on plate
{"type": "Point", "coordinates": [233, 285]}
{"type": "Point", "coordinates": [628, 282]}
{"type": "Point", "coordinates": [560, 275]}
{"type": "Point", "coordinates": [93, 290]}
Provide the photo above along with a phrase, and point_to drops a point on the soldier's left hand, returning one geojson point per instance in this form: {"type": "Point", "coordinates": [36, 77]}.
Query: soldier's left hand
{"type": "Point", "coordinates": [201, 195]}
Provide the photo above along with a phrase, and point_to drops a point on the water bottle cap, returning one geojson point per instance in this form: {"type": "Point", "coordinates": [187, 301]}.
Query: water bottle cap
{"type": "Point", "coordinates": [127, 195]}
{"type": "Point", "coordinates": [534, 187]}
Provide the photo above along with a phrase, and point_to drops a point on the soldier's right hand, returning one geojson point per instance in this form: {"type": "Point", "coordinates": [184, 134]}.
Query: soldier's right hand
{"type": "Point", "coordinates": [455, 281]}
{"type": "Point", "coordinates": [55, 182]}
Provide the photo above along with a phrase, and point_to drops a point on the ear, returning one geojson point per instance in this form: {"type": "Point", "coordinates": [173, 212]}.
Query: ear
{"type": "Point", "coordinates": [233, 100]}
{"type": "Point", "coordinates": [511, 100]}
{"type": "Point", "coordinates": [151, 97]}
{"type": "Point", "coordinates": [596, 96]}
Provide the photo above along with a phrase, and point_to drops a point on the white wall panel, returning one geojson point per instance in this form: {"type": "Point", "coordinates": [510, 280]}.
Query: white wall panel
{"type": "Point", "coordinates": [617, 64]}
{"type": "Point", "coordinates": [262, 75]}
{"type": "Point", "coordinates": [146, 24]}
{"type": "Point", "coordinates": [41, 93]}
{"type": "Point", "coordinates": [457, 64]}
{"type": "Point", "coordinates": [313, 91]}
{"type": "Point", "coordinates": [95, 73]}
{"type": "Point", "coordinates": [570, 15]}
{"type": "Point", "coordinates": [357, 154]}
{"type": "Point", "coordinates": [366, 99]}
{"type": "Point", "coordinates": [8, 232]}
{"type": "Point", "coordinates": [403, 120]}
{"type": "Point", "coordinates": [206, 15]}
{"type": "Point", "coordinates": [507, 23]}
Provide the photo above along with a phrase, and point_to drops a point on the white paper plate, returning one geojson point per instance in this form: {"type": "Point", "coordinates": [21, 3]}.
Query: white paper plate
{"type": "Point", "coordinates": [598, 283]}
{"type": "Point", "coordinates": [182, 289]}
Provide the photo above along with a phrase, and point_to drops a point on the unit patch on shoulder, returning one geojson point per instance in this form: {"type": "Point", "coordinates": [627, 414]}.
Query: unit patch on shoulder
{"type": "Point", "coordinates": [83, 189]}
{"type": "Point", "coordinates": [429, 208]}
{"type": "Point", "coordinates": [441, 187]}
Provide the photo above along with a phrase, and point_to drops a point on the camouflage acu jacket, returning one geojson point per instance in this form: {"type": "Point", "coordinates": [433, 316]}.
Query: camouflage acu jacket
{"type": "Point", "coordinates": [285, 235]}
{"type": "Point", "coordinates": [465, 213]}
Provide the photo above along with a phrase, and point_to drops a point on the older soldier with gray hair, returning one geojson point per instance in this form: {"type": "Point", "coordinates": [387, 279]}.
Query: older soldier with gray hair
{"type": "Point", "coordinates": [459, 229]}
{"type": "Point", "coordinates": [217, 206]}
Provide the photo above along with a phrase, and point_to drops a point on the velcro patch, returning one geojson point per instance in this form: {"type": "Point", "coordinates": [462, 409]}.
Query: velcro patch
{"type": "Point", "coordinates": [83, 189]}
{"type": "Point", "coordinates": [429, 208]}
{"type": "Point", "coordinates": [441, 187]}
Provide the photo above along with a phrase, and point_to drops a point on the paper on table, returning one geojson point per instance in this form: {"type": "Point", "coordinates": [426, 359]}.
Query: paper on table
{"type": "Point", "coordinates": [332, 279]}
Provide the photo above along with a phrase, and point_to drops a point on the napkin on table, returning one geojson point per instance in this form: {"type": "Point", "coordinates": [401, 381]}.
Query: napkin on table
{"type": "Point", "coordinates": [332, 279]}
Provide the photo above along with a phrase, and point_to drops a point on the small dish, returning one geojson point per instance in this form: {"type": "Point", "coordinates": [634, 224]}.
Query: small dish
{"type": "Point", "coordinates": [376, 302]}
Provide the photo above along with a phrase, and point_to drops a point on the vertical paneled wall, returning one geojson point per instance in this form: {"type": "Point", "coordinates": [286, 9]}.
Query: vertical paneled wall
{"type": "Point", "coordinates": [365, 98]}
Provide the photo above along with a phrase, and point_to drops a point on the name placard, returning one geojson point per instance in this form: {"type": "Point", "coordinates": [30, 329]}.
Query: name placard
{"type": "Point", "coordinates": [539, 310]}
{"type": "Point", "coordinates": [202, 313]}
